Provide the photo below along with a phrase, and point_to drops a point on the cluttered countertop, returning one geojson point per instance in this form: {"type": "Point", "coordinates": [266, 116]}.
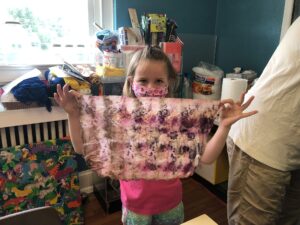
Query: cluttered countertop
{"type": "Point", "coordinates": [29, 98]}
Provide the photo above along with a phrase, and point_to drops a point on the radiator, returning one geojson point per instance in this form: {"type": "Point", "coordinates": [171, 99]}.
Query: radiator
{"type": "Point", "coordinates": [33, 133]}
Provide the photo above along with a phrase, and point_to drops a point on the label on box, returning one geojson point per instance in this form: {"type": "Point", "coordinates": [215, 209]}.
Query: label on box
{"type": "Point", "coordinates": [158, 22]}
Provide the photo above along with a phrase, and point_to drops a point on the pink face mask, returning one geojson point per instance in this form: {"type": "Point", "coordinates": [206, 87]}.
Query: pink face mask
{"type": "Point", "coordinates": [142, 91]}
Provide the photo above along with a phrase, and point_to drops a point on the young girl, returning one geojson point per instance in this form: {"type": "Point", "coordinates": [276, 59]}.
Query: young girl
{"type": "Point", "coordinates": [147, 202]}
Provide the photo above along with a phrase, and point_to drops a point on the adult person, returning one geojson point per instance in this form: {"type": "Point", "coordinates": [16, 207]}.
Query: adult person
{"type": "Point", "coordinates": [264, 150]}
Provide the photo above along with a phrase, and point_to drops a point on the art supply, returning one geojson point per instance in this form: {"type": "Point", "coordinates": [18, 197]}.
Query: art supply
{"type": "Point", "coordinates": [130, 36]}
{"type": "Point", "coordinates": [107, 40]}
{"type": "Point", "coordinates": [232, 88]}
{"type": "Point", "coordinates": [207, 82]}
{"type": "Point", "coordinates": [154, 28]}
{"type": "Point", "coordinates": [174, 51]}
{"type": "Point", "coordinates": [171, 34]}
{"type": "Point", "coordinates": [133, 18]}
{"type": "Point", "coordinates": [32, 73]}
{"type": "Point", "coordinates": [113, 59]}
{"type": "Point", "coordinates": [98, 26]}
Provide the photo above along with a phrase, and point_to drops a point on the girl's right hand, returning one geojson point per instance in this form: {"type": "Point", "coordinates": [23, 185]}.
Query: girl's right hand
{"type": "Point", "coordinates": [67, 99]}
{"type": "Point", "coordinates": [234, 111]}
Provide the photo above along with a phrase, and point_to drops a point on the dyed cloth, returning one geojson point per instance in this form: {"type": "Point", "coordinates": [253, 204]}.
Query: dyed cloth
{"type": "Point", "coordinates": [145, 138]}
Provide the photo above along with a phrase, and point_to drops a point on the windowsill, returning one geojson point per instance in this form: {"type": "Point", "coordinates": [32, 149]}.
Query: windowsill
{"type": "Point", "coordinates": [10, 118]}
{"type": "Point", "coordinates": [10, 73]}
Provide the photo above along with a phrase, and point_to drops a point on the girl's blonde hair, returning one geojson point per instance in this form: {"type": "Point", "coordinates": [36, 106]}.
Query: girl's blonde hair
{"type": "Point", "coordinates": [150, 53]}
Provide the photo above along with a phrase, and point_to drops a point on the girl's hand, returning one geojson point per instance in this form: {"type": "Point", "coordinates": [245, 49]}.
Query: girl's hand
{"type": "Point", "coordinates": [67, 99]}
{"type": "Point", "coordinates": [233, 111]}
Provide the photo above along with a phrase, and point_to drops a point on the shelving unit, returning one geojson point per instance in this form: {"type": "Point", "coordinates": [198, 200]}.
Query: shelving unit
{"type": "Point", "coordinates": [217, 172]}
{"type": "Point", "coordinates": [108, 195]}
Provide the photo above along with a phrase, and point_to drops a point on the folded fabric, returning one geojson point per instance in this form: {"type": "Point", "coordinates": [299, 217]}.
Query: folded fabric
{"type": "Point", "coordinates": [32, 90]}
{"type": "Point", "coordinates": [8, 97]}
{"type": "Point", "coordinates": [148, 138]}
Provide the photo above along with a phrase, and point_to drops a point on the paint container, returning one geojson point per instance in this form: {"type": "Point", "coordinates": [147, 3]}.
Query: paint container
{"type": "Point", "coordinates": [113, 59]}
{"type": "Point", "coordinates": [207, 83]}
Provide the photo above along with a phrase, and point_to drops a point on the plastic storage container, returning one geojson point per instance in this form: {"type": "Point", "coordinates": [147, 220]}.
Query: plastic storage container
{"type": "Point", "coordinates": [207, 81]}
{"type": "Point", "coordinates": [113, 85]}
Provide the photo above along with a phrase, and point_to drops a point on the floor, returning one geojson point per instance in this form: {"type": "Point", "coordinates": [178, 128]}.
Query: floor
{"type": "Point", "coordinates": [199, 197]}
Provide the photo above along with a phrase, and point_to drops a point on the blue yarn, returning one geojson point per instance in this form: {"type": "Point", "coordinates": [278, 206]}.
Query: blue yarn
{"type": "Point", "coordinates": [53, 80]}
{"type": "Point", "coordinates": [47, 72]}
{"type": "Point", "coordinates": [32, 90]}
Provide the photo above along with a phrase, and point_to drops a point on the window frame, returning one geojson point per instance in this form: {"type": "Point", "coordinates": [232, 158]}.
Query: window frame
{"type": "Point", "coordinates": [287, 17]}
{"type": "Point", "coordinates": [105, 8]}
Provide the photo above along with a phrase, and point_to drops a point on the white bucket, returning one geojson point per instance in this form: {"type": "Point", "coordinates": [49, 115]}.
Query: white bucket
{"type": "Point", "coordinates": [207, 84]}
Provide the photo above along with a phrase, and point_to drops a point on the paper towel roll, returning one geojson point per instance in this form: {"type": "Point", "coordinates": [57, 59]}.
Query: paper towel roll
{"type": "Point", "coordinates": [233, 88]}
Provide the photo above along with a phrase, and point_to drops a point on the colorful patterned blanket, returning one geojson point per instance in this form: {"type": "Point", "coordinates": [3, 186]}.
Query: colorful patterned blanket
{"type": "Point", "coordinates": [38, 175]}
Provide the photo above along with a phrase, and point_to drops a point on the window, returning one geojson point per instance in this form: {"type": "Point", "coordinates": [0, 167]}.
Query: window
{"type": "Point", "coordinates": [35, 32]}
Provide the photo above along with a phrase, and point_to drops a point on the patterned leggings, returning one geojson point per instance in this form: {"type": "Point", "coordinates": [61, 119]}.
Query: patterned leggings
{"type": "Point", "coordinates": [174, 216]}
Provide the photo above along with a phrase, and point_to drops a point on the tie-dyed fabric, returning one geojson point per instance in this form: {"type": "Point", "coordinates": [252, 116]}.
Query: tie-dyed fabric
{"type": "Point", "coordinates": [148, 138]}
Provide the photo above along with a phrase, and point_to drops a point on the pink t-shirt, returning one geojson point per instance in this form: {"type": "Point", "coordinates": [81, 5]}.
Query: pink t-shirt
{"type": "Point", "coordinates": [149, 197]}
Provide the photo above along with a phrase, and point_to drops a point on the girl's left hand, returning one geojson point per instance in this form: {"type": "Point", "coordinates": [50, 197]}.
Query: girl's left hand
{"type": "Point", "coordinates": [233, 111]}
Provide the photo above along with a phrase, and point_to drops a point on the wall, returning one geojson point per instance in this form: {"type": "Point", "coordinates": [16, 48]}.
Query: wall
{"type": "Point", "coordinates": [196, 24]}
{"type": "Point", "coordinates": [228, 33]}
{"type": "Point", "coordinates": [248, 32]}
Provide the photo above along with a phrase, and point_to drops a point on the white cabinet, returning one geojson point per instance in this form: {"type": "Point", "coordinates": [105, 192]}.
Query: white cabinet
{"type": "Point", "coordinates": [217, 172]}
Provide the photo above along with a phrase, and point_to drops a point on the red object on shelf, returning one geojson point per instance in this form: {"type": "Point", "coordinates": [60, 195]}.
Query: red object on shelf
{"type": "Point", "coordinates": [174, 51]}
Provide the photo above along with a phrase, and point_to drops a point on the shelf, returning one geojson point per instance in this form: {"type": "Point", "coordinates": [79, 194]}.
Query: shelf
{"type": "Point", "coordinates": [108, 196]}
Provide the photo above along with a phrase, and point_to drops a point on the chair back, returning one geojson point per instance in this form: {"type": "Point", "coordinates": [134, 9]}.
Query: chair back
{"type": "Point", "coordinates": [38, 216]}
